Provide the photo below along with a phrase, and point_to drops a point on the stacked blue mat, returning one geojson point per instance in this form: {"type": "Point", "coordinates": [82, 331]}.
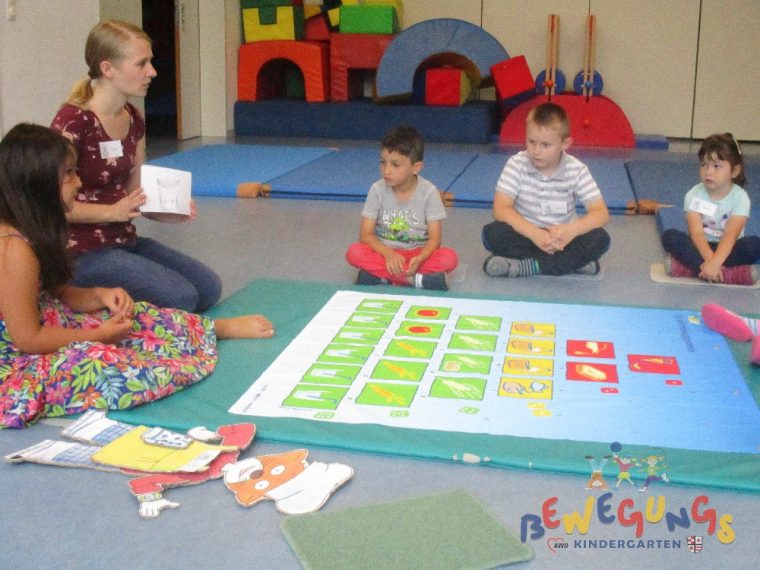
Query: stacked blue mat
{"type": "Point", "coordinates": [347, 173]}
{"type": "Point", "coordinates": [476, 122]}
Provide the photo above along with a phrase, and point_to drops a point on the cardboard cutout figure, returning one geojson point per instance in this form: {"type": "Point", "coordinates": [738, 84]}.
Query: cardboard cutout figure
{"type": "Point", "coordinates": [297, 487]}
{"type": "Point", "coordinates": [93, 433]}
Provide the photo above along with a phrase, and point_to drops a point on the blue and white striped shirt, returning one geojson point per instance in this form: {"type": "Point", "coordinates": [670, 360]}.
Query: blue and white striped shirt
{"type": "Point", "coordinates": [548, 200]}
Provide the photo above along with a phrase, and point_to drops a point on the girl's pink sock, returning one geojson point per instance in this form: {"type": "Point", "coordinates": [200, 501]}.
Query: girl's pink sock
{"type": "Point", "coordinates": [728, 323]}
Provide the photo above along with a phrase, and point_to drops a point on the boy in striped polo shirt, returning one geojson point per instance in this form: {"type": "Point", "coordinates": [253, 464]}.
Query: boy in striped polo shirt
{"type": "Point", "coordinates": [536, 229]}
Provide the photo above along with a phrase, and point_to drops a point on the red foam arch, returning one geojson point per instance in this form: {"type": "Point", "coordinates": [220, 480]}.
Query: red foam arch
{"type": "Point", "coordinates": [596, 122]}
{"type": "Point", "coordinates": [312, 58]}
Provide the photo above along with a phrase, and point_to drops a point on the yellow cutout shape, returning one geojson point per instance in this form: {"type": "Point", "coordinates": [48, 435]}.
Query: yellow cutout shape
{"type": "Point", "coordinates": [131, 452]}
{"type": "Point", "coordinates": [542, 330]}
{"type": "Point", "coordinates": [532, 347]}
{"type": "Point", "coordinates": [529, 366]}
{"type": "Point", "coordinates": [542, 413]}
{"type": "Point", "coordinates": [528, 388]}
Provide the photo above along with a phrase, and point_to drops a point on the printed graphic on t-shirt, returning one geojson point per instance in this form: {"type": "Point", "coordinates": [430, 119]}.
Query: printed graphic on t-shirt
{"type": "Point", "coordinates": [401, 226]}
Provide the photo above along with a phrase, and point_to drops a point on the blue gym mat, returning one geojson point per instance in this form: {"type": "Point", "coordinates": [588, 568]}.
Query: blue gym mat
{"type": "Point", "coordinates": [347, 174]}
{"type": "Point", "coordinates": [667, 178]}
{"type": "Point", "coordinates": [475, 186]}
{"type": "Point", "coordinates": [218, 169]}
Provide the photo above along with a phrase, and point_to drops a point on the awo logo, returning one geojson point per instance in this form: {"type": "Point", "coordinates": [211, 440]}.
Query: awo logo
{"type": "Point", "coordinates": [556, 543]}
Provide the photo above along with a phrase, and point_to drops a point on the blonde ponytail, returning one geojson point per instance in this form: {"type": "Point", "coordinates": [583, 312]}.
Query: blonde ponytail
{"type": "Point", "coordinates": [81, 93]}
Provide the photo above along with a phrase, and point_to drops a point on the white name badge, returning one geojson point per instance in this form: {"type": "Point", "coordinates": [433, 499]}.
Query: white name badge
{"type": "Point", "coordinates": [554, 207]}
{"type": "Point", "coordinates": [704, 207]}
{"type": "Point", "coordinates": [111, 149]}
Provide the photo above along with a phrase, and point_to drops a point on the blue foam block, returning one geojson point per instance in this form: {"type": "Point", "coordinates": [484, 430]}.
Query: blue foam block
{"type": "Point", "coordinates": [474, 123]}
{"type": "Point", "coordinates": [475, 187]}
{"type": "Point", "coordinates": [417, 43]}
{"type": "Point", "coordinates": [218, 169]}
{"type": "Point", "coordinates": [347, 174]}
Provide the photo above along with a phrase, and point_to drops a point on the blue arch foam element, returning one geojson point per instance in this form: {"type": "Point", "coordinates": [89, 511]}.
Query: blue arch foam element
{"type": "Point", "coordinates": [437, 37]}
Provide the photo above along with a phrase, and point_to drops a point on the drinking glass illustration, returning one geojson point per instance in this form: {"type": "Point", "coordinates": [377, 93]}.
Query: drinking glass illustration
{"type": "Point", "coordinates": [168, 190]}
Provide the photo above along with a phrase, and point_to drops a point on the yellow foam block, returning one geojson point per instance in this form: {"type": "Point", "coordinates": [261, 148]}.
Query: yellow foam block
{"type": "Point", "coordinates": [334, 15]}
{"type": "Point", "coordinates": [311, 10]}
{"type": "Point", "coordinates": [288, 26]}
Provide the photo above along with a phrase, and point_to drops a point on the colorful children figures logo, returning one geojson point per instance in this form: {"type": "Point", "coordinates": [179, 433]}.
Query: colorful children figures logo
{"type": "Point", "coordinates": [653, 467]}
{"type": "Point", "coordinates": [653, 464]}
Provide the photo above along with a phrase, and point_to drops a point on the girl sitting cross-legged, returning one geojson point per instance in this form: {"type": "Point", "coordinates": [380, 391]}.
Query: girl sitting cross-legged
{"type": "Point", "coordinates": [64, 349]}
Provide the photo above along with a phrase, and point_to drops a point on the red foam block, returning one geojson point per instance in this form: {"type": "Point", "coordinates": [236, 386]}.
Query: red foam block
{"type": "Point", "coordinates": [512, 77]}
{"type": "Point", "coordinates": [353, 51]}
{"type": "Point", "coordinates": [317, 28]}
{"type": "Point", "coordinates": [446, 86]}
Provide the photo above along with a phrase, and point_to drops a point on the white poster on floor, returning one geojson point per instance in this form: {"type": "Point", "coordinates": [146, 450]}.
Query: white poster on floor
{"type": "Point", "coordinates": [543, 370]}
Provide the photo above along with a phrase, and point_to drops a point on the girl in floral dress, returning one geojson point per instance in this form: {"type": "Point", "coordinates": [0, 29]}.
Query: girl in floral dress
{"type": "Point", "coordinates": [64, 349]}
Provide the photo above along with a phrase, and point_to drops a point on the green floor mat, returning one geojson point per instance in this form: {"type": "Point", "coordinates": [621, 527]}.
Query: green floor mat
{"type": "Point", "coordinates": [449, 530]}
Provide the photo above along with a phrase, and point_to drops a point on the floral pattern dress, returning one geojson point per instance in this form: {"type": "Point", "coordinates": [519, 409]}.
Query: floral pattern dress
{"type": "Point", "coordinates": [166, 351]}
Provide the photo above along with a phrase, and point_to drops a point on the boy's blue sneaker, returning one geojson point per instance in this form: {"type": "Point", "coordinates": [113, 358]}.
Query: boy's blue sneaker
{"type": "Point", "coordinates": [366, 278]}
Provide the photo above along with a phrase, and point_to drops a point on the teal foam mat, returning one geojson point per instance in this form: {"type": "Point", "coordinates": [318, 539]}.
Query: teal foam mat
{"type": "Point", "coordinates": [243, 361]}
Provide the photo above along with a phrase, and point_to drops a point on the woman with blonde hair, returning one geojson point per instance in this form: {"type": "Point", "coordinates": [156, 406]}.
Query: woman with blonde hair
{"type": "Point", "coordinates": [108, 133]}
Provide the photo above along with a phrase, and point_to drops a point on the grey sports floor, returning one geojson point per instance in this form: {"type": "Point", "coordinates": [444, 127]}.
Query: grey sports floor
{"type": "Point", "coordinates": [70, 518]}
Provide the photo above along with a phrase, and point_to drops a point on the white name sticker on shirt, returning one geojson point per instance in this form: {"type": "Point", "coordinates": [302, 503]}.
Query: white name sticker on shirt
{"type": "Point", "coordinates": [703, 207]}
{"type": "Point", "coordinates": [554, 207]}
{"type": "Point", "coordinates": [111, 149]}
